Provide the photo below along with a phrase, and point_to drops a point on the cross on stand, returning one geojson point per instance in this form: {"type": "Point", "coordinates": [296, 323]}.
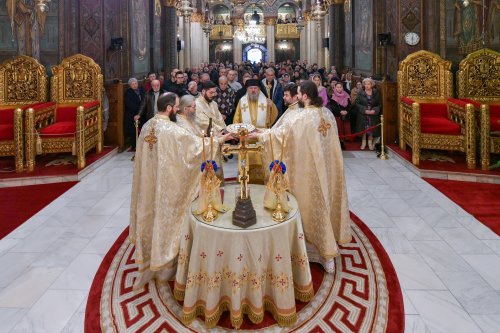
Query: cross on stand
{"type": "Point", "coordinates": [244, 214]}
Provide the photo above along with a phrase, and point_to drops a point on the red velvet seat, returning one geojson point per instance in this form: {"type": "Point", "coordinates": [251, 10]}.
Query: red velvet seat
{"type": "Point", "coordinates": [74, 123]}
{"type": "Point", "coordinates": [477, 80]}
{"type": "Point", "coordinates": [428, 117]}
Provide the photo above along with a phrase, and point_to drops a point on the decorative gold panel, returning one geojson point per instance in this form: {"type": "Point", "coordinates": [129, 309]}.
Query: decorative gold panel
{"type": "Point", "coordinates": [478, 76]}
{"type": "Point", "coordinates": [425, 76]}
{"type": "Point", "coordinates": [77, 79]}
{"type": "Point", "coordinates": [22, 81]}
{"type": "Point", "coordinates": [220, 31]}
{"type": "Point", "coordinates": [287, 31]}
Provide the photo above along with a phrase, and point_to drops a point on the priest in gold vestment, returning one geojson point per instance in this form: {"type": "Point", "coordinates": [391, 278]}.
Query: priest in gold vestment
{"type": "Point", "coordinates": [166, 177]}
{"type": "Point", "coordinates": [254, 108]}
{"type": "Point", "coordinates": [315, 171]}
{"type": "Point", "coordinates": [186, 116]}
{"type": "Point", "coordinates": [206, 108]}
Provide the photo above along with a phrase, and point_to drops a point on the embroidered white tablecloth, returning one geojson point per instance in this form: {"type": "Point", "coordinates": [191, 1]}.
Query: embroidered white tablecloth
{"type": "Point", "coordinates": [222, 267]}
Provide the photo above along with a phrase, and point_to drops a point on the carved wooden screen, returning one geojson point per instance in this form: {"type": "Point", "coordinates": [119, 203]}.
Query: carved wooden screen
{"type": "Point", "coordinates": [22, 81]}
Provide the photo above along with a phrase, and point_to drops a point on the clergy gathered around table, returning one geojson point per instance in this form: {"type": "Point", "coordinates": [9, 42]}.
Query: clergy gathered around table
{"type": "Point", "coordinates": [291, 176]}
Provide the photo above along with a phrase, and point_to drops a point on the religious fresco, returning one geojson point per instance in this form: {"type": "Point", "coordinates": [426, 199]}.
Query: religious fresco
{"type": "Point", "coordinates": [139, 23]}
{"type": "Point", "coordinates": [363, 39]}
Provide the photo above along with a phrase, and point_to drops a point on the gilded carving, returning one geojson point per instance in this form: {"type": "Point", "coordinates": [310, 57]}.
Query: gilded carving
{"type": "Point", "coordinates": [22, 81]}
{"type": "Point", "coordinates": [196, 17]}
{"type": "Point", "coordinates": [270, 21]}
{"type": "Point", "coordinates": [425, 77]}
{"type": "Point", "coordinates": [287, 31]}
{"type": "Point", "coordinates": [478, 78]}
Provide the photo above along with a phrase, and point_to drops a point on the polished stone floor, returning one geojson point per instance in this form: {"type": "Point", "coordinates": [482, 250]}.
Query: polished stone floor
{"type": "Point", "coordinates": [448, 263]}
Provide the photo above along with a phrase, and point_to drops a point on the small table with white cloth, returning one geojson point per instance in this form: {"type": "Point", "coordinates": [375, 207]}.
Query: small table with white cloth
{"type": "Point", "coordinates": [222, 267]}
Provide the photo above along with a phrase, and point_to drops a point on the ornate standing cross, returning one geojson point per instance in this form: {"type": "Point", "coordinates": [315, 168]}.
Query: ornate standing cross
{"type": "Point", "coordinates": [242, 150]}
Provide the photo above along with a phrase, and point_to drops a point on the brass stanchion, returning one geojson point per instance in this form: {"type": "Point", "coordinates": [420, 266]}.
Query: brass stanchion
{"type": "Point", "coordinates": [136, 123]}
{"type": "Point", "coordinates": [382, 155]}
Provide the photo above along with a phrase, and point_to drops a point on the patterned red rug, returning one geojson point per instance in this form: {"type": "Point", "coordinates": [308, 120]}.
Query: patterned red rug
{"type": "Point", "coordinates": [363, 295]}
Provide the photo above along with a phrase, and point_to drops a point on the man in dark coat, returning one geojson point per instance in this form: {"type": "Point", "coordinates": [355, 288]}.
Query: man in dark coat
{"type": "Point", "coordinates": [149, 106]}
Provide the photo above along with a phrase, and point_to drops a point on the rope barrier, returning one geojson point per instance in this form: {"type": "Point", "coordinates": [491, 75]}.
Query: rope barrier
{"type": "Point", "coordinates": [353, 135]}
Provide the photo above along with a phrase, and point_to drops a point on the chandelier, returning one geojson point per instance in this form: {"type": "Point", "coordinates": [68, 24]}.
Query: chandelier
{"type": "Point", "coordinates": [207, 25]}
{"type": "Point", "coordinates": [300, 20]}
{"type": "Point", "coordinates": [250, 33]}
{"type": "Point", "coordinates": [185, 9]}
{"type": "Point", "coordinates": [43, 5]}
{"type": "Point", "coordinates": [318, 12]}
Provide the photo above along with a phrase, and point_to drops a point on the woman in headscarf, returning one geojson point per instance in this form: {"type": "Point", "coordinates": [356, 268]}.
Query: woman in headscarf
{"type": "Point", "coordinates": [316, 78]}
{"type": "Point", "coordinates": [341, 106]}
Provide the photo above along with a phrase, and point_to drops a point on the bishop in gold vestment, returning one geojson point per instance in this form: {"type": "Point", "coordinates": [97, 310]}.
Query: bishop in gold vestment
{"type": "Point", "coordinates": [315, 171]}
{"type": "Point", "coordinates": [166, 177]}
{"type": "Point", "coordinates": [254, 108]}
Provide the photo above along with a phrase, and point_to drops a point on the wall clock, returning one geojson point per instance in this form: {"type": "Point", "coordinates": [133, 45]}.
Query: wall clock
{"type": "Point", "coordinates": [412, 38]}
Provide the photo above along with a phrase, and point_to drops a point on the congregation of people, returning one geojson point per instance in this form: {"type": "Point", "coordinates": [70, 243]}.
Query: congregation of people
{"type": "Point", "coordinates": [355, 103]}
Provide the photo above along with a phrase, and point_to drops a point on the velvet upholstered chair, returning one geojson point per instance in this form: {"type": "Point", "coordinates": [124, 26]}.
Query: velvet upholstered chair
{"type": "Point", "coordinates": [23, 83]}
{"type": "Point", "coordinates": [74, 123]}
{"type": "Point", "coordinates": [478, 82]}
{"type": "Point", "coordinates": [428, 117]}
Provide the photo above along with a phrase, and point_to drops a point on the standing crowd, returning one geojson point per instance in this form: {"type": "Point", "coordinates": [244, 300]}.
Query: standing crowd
{"type": "Point", "coordinates": [356, 104]}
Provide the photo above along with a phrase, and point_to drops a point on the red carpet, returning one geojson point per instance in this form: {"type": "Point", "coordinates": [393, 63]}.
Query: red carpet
{"type": "Point", "coordinates": [113, 306]}
{"type": "Point", "coordinates": [51, 164]}
{"type": "Point", "coordinates": [481, 200]}
{"type": "Point", "coordinates": [18, 204]}
{"type": "Point", "coordinates": [458, 165]}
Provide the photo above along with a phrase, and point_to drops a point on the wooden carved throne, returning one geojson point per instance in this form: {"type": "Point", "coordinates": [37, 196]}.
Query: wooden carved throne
{"type": "Point", "coordinates": [23, 83]}
{"type": "Point", "coordinates": [75, 123]}
{"type": "Point", "coordinates": [478, 81]}
{"type": "Point", "coordinates": [428, 117]}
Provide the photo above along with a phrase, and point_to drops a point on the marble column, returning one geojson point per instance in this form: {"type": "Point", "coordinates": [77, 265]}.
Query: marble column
{"type": "Point", "coordinates": [196, 43]}
{"type": "Point", "coordinates": [180, 61]}
{"type": "Point", "coordinates": [170, 43]}
{"type": "Point", "coordinates": [302, 41]}
{"type": "Point", "coordinates": [337, 40]}
{"type": "Point", "coordinates": [237, 50]}
{"type": "Point", "coordinates": [312, 42]}
{"type": "Point", "coordinates": [187, 44]}
{"type": "Point", "coordinates": [270, 41]}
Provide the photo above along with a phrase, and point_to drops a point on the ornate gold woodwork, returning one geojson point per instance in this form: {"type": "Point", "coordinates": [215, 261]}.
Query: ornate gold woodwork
{"type": "Point", "coordinates": [424, 77]}
{"type": "Point", "coordinates": [270, 21]}
{"type": "Point", "coordinates": [76, 86]}
{"type": "Point", "coordinates": [478, 79]}
{"type": "Point", "coordinates": [23, 81]}
{"type": "Point", "coordinates": [220, 31]}
{"type": "Point", "coordinates": [287, 31]}
{"type": "Point", "coordinates": [196, 17]}
{"type": "Point", "coordinates": [15, 147]}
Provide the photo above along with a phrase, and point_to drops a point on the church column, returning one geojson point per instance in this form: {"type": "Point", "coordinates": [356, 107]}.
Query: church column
{"type": "Point", "coordinates": [205, 42]}
{"type": "Point", "coordinates": [337, 42]}
{"type": "Point", "coordinates": [180, 61]}
{"type": "Point", "coordinates": [302, 40]}
{"type": "Point", "coordinates": [270, 24]}
{"type": "Point", "coordinates": [319, 40]}
{"type": "Point", "coordinates": [312, 41]}
{"type": "Point", "coordinates": [170, 41]}
{"type": "Point", "coordinates": [197, 35]}
{"type": "Point", "coordinates": [237, 51]}
{"type": "Point", "coordinates": [187, 44]}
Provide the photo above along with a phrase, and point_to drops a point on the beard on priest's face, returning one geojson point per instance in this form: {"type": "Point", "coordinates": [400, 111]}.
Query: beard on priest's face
{"type": "Point", "coordinates": [253, 96]}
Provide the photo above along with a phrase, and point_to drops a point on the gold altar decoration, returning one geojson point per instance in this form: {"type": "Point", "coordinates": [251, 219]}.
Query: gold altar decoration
{"type": "Point", "coordinates": [276, 197]}
{"type": "Point", "coordinates": [209, 201]}
{"type": "Point", "coordinates": [478, 79]}
{"type": "Point", "coordinates": [244, 214]}
{"type": "Point", "coordinates": [76, 86]}
{"type": "Point", "coordinates": [287, 31]}
{"type": "Point", "coordinates": [424, 79]}
{"type": "Point", "coordinates": [23, 82]}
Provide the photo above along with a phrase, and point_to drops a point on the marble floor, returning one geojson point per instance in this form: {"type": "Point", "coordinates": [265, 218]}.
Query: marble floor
{"type": "Point", "coordinates": [448, 263]}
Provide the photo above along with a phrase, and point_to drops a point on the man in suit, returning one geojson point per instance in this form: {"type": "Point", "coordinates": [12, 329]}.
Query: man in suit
{"type": "Point", "coordinates": [273, 90]}
{"type": "Point", "coordinates": [149, 107]}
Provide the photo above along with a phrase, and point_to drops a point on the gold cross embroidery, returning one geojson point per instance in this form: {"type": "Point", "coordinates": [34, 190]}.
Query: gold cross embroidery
{"type": "Point", "coordinates": [324, 127]}
{"type": "Point", "coordinates": [244, 108]}
{"type": "Point", "coordinates": [151, 138]}
{"type": "Point", "coordinates": [262, 106]}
